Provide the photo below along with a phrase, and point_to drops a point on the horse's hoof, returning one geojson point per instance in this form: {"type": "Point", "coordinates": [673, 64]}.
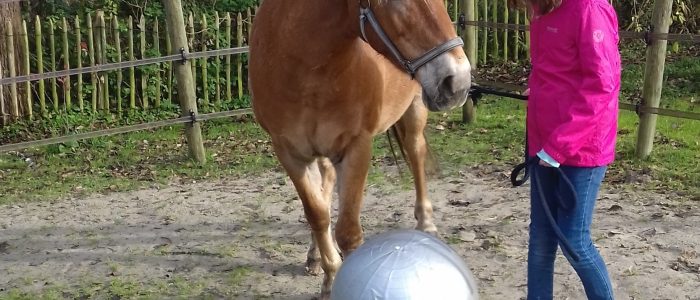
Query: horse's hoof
{"type": "Point", "coordinates": [313, 267]}
{"type": "Point", "coordinates": [428, 228]}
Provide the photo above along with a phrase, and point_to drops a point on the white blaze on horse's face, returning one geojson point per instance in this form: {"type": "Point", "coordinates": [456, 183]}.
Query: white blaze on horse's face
{"type": "Point", "coordinates": [415, 27]}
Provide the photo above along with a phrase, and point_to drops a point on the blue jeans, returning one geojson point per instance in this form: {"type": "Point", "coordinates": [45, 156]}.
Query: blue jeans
{"type": "Point", "coordinates": [574, 221]}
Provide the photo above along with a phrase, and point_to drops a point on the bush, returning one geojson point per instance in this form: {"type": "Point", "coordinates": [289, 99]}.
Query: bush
{"type": "Point", "coordinates": [149, 8]}
{"type": "Point", "coordinates": [636, 15]}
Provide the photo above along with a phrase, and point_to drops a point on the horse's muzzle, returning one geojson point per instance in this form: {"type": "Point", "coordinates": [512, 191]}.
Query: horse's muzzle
{"type": "Point", "coordinates": [446, 82]}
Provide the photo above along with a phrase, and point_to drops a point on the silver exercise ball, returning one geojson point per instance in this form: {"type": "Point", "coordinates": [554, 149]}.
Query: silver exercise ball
{"type": "Point", "coordinates": [404, 264]}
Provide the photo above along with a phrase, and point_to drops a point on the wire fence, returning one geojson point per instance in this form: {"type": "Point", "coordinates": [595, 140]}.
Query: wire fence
{"type": "Point", "coordinates": [122, 65]}
{"type": "Point", "coordinates": [123, 129]}
{"type": "Point", "coordinates": [507, 88]}
{"type": "Point", "coordinates": [647, 36]}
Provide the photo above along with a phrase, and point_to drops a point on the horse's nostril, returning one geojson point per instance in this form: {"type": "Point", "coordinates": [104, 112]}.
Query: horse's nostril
{"type": "Point", "coordinates": [447, 85]}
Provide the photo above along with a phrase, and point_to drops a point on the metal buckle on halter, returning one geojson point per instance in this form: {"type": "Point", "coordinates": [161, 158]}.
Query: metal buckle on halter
{"type": "Point", "coordinates": [363, 20]}
{"type": "Point", "coordinates": [365, 10]}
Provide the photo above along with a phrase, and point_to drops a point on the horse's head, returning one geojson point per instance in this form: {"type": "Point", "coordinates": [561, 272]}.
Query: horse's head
{"type": "Point", "coordinates": [419, 37]}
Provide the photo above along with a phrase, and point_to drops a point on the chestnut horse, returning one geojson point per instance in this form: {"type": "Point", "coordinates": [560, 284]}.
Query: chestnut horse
{"type": "Point", "coordinates": [327, 76]}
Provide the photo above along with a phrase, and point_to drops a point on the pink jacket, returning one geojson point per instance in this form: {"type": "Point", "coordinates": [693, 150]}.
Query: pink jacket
{"type": "Point", "coordinates": [575, 83]}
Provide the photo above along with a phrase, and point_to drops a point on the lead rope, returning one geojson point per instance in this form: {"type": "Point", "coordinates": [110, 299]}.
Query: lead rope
{"type": "Point", "coordinates": [532, 162]}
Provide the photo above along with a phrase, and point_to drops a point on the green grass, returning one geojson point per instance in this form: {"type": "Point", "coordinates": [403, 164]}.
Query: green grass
{"type": "Point", "coordinates": [130, 161]}
{"type": "Point", "coordinates": [498, 138]}
{"type": "Point", "coordinates": [116, 288]}
{"type": "Point", "coordinates": [241, 148]}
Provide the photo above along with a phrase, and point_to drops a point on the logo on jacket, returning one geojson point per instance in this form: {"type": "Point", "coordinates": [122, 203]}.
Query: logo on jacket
{"type": "Point", "coordinates": [598, 36]}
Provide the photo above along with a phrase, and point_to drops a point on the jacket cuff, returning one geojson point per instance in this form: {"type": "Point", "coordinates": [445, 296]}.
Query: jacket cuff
{"type": "Point", "coordinates": [548, 159]}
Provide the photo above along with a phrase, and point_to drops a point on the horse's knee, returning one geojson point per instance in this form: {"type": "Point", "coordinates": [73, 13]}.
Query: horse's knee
{"type": "Point", "coordinates": [318, 217]}
{"type": "Point", "coordinates": [348, 238]}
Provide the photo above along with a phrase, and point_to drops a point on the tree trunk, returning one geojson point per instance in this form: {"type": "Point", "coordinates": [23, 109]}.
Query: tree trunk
{"type": "Point", "coordinates": [11, 12]}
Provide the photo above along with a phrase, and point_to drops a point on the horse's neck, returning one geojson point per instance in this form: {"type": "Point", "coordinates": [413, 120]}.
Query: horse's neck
{"type": "Point", "coordinates": [324, 28]}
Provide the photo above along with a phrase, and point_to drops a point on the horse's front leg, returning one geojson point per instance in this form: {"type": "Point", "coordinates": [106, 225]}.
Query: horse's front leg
{"type": "Point", "coordinates": [352, 176]}
{"type": "Point", "coordinates": [328, 176]}
{"type": "Point", "coordinates": [306, 177]}
{"type": "Point", "coordinates": [411, 128]}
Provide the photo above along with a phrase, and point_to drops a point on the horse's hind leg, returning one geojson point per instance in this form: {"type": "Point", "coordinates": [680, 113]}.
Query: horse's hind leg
{"type": "Point", "coordinates": [327, 171]}
{"type": "Point", "coordinates": [306, 177]}
{"type": "Point", "coordinates": [410, 130]}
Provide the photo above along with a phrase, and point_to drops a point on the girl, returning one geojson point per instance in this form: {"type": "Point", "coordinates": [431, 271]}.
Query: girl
{"type": "Point", "coordinates": [572, 125]}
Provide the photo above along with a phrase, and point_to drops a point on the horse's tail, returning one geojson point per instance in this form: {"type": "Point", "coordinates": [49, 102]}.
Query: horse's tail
{"type": "Point", "coordinates": [432, 165]}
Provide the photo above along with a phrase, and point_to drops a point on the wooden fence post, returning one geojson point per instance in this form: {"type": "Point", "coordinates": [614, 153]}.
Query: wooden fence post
{"type": "Point", "coordinates": [495, 51]}
{"type": "Point", "coordinates": [227, 63]}
{"type": "Point", "coordinates": [217, 59]}
{"type": "Point", "coordinates": [91, 55]}
{"type": "Point", "coordinates": [239, 63]}
{"type": "Point", "coordinates": [469, 32]}
{"type": "Point", "coordinates": [191, 40]}
{"type": "Point", "coordinates": [469, 36]}
{"type": "Point", "coordinates": [476, 36]}
{"type": "Point", "coordinates": [506, 20]}
{"type": "Point", "coordinates": [485, 43]}
{"type": "Point", "coordinates": [79, 55]}
{"type": "Point", "coordinates": [12, 67]}
{"type": "Point", "coordinates": [2, 98]}
{"type": "Point", "coordinates": [205, 63]}
{"type": "Point", "coordinates": [527, 35]}
{"type": "Point", "coordinates": [169, 74]}
{"type": "Point", "coordinates": [38, 38]}
{"type": "Point", "coordinates": [159, 69]}
{"type": "Point", "coordinates": [26, 68]}
{"type": "Point", "coordinates": [66, 65]}
{"type": "Point", "coordinates": [132, 70]}
{"type": "Point", "coordinates": [118, 50]}
{"type": "Point", "coordinates": [142, 55]}
{"type": "Point", "coordinates": [54, 81]}
{"type": "Point", "coordinates": [653, 77]}
{"type": "Point", "coordinates": [516, 34]}
{"type": "Point", "coordinates": [175, 22]}
{"type": "Point", "coordinates": [104, 80]}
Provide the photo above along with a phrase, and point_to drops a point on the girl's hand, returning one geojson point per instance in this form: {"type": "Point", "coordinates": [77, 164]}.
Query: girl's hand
{"type": "Point", "coordinates": [545, 164]}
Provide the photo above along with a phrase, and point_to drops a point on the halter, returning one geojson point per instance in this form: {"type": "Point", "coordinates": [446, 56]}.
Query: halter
{"type": "Point", "coordinates": [411, 66]}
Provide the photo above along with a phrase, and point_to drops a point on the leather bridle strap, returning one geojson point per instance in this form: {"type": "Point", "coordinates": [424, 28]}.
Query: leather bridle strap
{"type": "Point", "coordinates": [411, 66]}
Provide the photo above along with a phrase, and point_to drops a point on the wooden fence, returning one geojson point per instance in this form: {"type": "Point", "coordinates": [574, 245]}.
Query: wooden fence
{"type": "Point", "coordinates": [493, 45]}
{"type": "Point", "coordinates": [58, 44]}
{"type": "Point", "coordinates": [493, 34]}
{"type": "Point", "coordinates": [48, 45]}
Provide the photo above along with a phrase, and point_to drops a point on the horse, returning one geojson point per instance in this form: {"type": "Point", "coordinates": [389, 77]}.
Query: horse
{"type": "Point", "coordinates": [326, 77]}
